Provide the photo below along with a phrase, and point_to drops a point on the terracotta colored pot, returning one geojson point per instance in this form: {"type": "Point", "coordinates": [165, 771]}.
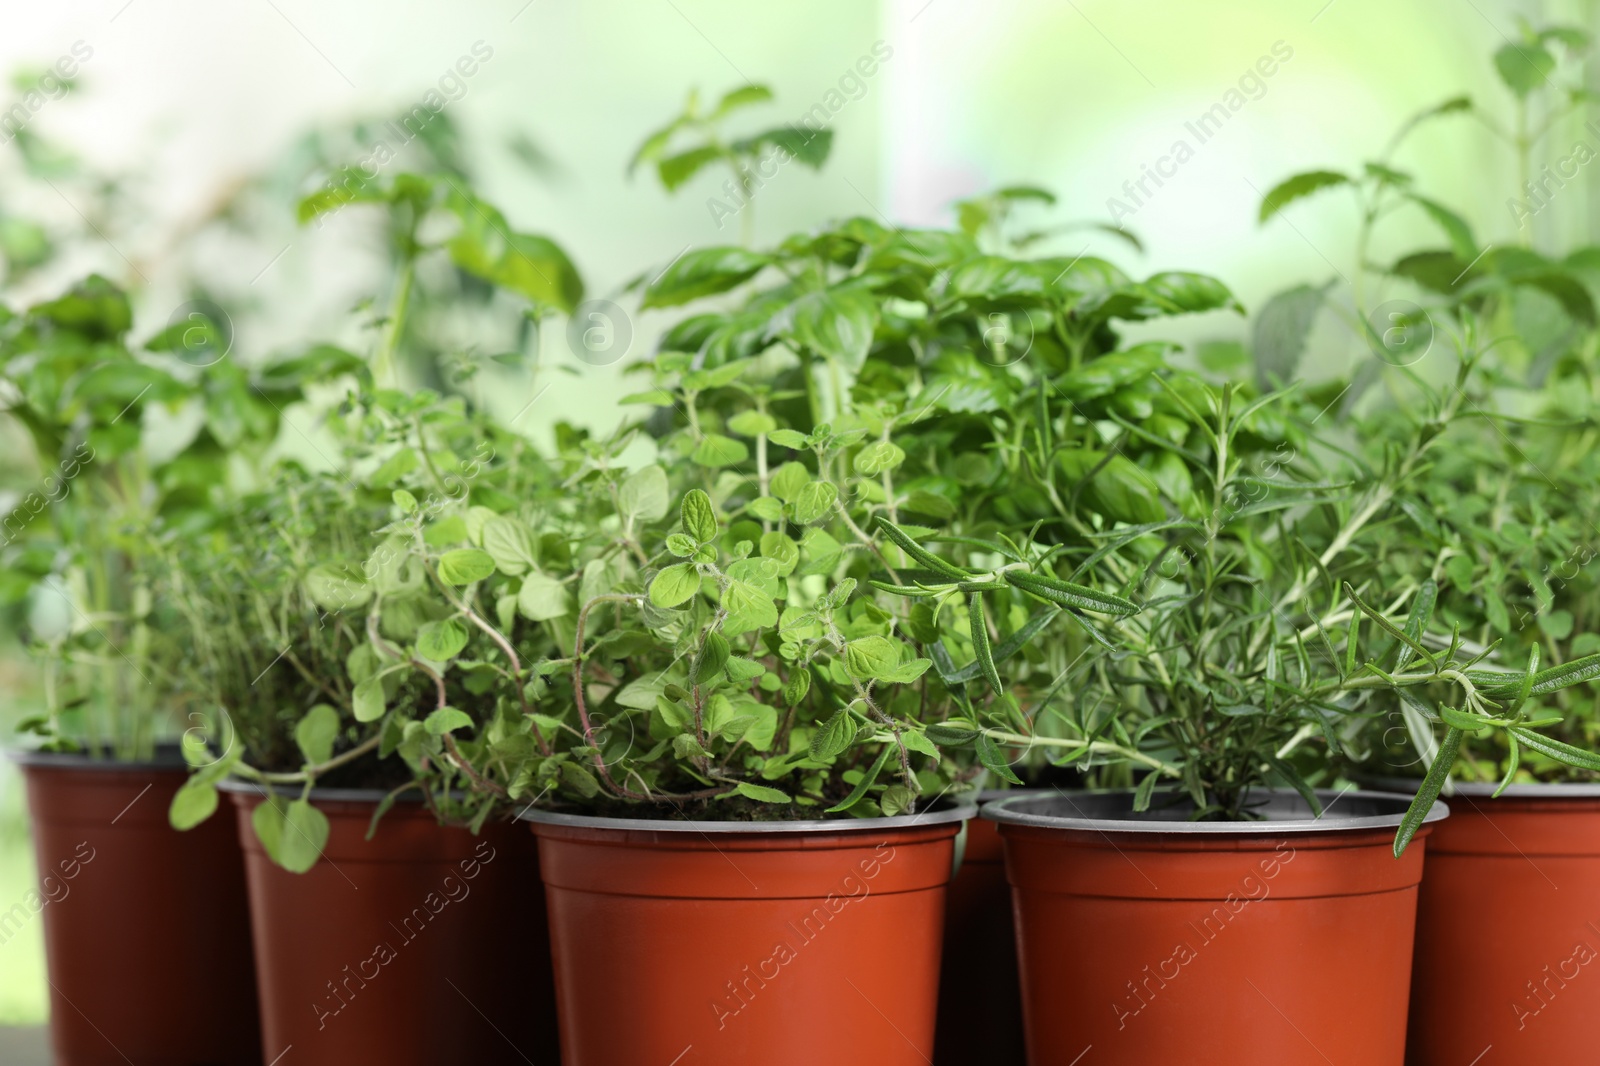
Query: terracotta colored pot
{"type": "Point", "coordinates": [1508, 933]}
{"type": "Point", "coordinates": [424, 945]}
{"type": "Point", "coordinates": [146, 929]}
{"type": "Point", "coordinates": [730, 943]}
{"type": "Point", "coordinates": [980, 995]}
{"type": "Point", "coordinates": [1157, 940]}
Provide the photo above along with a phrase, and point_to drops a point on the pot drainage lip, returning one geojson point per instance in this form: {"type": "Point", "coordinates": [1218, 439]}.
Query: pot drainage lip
{"type": "Point", "coordinates": [1110, 811]}
{"type": "Point", "coordinates": [940, 816]}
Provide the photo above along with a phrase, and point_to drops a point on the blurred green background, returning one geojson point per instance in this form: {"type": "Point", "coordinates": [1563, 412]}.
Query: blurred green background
{"type": "Point", "coordinates": [192, 128]}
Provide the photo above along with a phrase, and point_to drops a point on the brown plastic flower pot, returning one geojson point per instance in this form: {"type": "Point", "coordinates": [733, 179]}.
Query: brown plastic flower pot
{"type": "Point", "coordinates": [1508, 930]}
{"type": "Point", "coordinates": [980, 996]}
{"type": "Point", "coordinates": [425, 945]}
{"type": "Point", "coordinates": [1158, 940]}
{"type": "Point", "coordinates": [146, 929]}
{"type": "Point", "coordinates": [730, 943]}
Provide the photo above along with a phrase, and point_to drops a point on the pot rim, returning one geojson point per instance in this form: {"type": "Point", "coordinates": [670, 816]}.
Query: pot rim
{"type": "Point", "coordinates": [955, 813]}
{"type": "Point", "coordinates": [1485, 789]}
{"type": "Point", "coordinates": [243, 787]}
{"type": "Point", "coordinates": [995, 795]}
{"type": "Point", "coordinates": [168, 756]}
{"type": "Point", "coordinates": [1007, 813]}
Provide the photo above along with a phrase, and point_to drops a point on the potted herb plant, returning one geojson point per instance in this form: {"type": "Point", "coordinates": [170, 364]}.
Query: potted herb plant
{"type": "Point", "coordinates": [1230, 677]}
{"type": "Point", "coordinates": [750, 712]}
{"type": "Point", "coordinates": [377, 928]}
{"type": "Point", "coordinates": [154, 928]}
{"type": "Point", "coordinates": [1495, 532]}
{"type": "Point", "coordinates": [355, 681]}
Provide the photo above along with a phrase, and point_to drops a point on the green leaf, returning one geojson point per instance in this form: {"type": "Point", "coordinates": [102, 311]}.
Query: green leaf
{"type": "Point", "coordinates": [441, 641]}
{"type": "Point", "coordinates": [304, 834]}
{"type": "Point", "coordinates": [834, 735]}
{"type": "Point", "coordinates": [761, 793]}
{"type": "Point", "coordinates": [907, 671]}
{"type": "Point", "coordinates": [788, 480]}
{"type": "Point", "coordinates": [980, 642]}
{"type": "Point", "coordinates": [868, 779]}
{"type": "Point", "coordinates": [1438, 773]}
{"type": "Point", "coordinates": [1298, 783]}
{"type": "Point", "coordinates": [788, 438]}
{"type": "Point", "coordinates": [740, 669]}
{"type": "Point", "coordinates": [1279, 335]}
{"type": "Point", "coordinates": [1390, 628]}
{"type": "Point", "coordinates": [877, 457]}
{"type": "Point", "coordinates": [951, 736]}
{"type": "Point", "coordinates": [511, 544]}
{"type": "Point", "coordinates": [717, 450]}
{"type": "Point", "coordinates": [709, 662]}
{"type": "Point", "coordinates": [1512, 764]}
{"type": "Point", "coordinates": [903, 540]}
{"type": "Point", "coordinates": [465, 565]}
{"type": "Point", "coordinates": [192, 804]}
{"type": "Point", "coordinates": [1455, 227]}
{"type": "Point", "coordinates": [1068, 594]}
{"type": "Point", "coordinates": [1115, 487]}
{"type": "Point", "coordinates": [1524, 66]}
{"type": "Point", "coordinates": [752, 423]}
{"type": "Point", "coordinates": [702, 273]}
{"type": "Point", "coordinates": [837, 323]}
{"type": "Point", "coordinates": [869, 658]}
{"type": "Point", "coordinates": [542, 598]}
{"type": "Point", "coordinates": [644, 495]}
{"type": "Point", "coordinates": [752, 607]}
{"type": "Point", "coordinates": [687, 747]}
{"type": "Point", "coordinates": [525, 263]}
{"type": "Point", "coordinates": [1417, 620]}
{"type": "Point", "coordinates": [368, 701]}
{"type": "Point", "coordinates": [808, 146]}
{"type": "Point", "coordinates": [1465, 721]}
{"type": "Point", "coordinates": [580, 780]}
{"type": "Point", "coordinates": [699, 517]}
{"type": "Point", "coordinates": [743, 96]}
{"type": "Point", "coordinates": [1291, 189]}
{"type": "Point", "coordinates": [445, 720]}
{"type": "Point", "coordinates": [1565, 676]}
{"type": "Point", "coordinates": [814, 501]}
{"type": "Point", "coordinates": [337, 588]}
{"type": "Point", "coordinates": [315, 734]}
{"type": "Point", "coordinates": [993, 759]}
{"type": "Point", "coordinates": [679, 168]}
{"type": "Point", "coordinates": [799, 683]}
{"type": "Point", "coordinates": [267, 821]}
{"type": "Point", "coordinates": [1555, 749]}
{"type": "Point", "coordinates": [675, 585]}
